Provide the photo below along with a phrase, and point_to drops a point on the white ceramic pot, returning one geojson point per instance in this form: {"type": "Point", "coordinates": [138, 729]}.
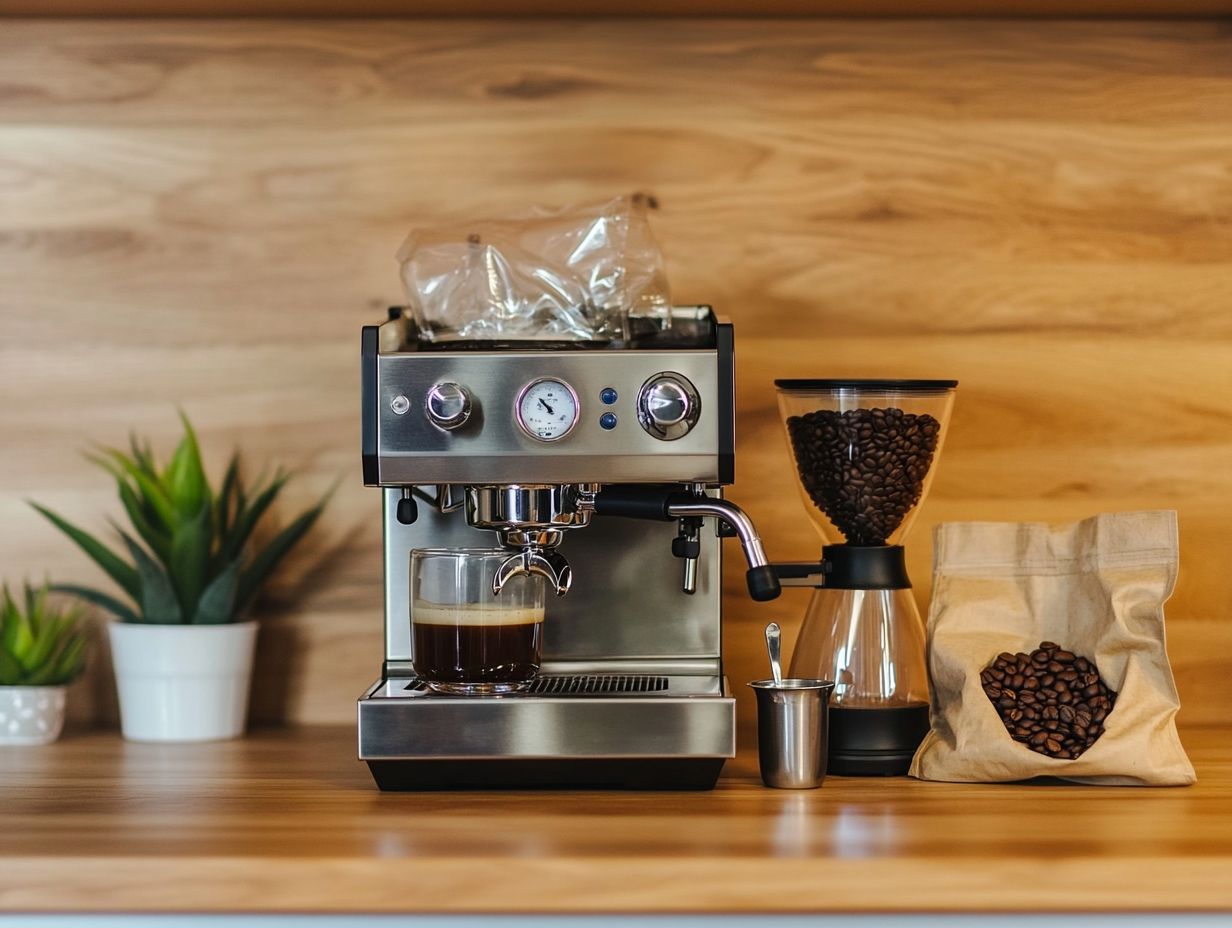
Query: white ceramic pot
{"type": "Point", "coordinates": [31, 714]}
{"type": "Point", "coordinates": [183, 682]}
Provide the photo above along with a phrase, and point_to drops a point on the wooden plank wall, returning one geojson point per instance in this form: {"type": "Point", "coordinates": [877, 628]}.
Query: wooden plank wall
{"type": "Point", "coordinates": [204, 213]}
{"type": "Point", "coordinates": [615, 8]}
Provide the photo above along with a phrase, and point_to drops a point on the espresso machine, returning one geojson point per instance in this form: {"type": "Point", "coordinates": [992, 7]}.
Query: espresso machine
{"type": "Point", "coordinates": [598, 466]}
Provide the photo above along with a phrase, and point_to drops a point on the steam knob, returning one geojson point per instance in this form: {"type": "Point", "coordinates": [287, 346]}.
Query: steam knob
{"type": "Point", "coordinates": [668, 406]}
{"type": "Point", "coordinates": [448, 405]}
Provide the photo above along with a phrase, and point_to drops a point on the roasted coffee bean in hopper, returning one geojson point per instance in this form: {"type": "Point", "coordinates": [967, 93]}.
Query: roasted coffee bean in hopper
{"type": "Point", "coordinates": [864, 468]}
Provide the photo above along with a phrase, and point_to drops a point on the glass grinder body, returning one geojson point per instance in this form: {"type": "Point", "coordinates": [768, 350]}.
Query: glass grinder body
{"type": "Point", "coordinates": [865, 452]}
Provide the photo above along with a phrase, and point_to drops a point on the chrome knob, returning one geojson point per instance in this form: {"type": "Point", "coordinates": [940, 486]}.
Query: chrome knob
{"type": "Point", "coordinates": [448, 405]}
{"type": "Point", "coordinates": [668, 406]}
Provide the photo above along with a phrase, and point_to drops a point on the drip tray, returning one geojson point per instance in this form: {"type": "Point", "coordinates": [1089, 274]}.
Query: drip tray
{"type": "Point", "coordinates": [586, 684]}
{"type": "Point", "coordinates": [570, 714]}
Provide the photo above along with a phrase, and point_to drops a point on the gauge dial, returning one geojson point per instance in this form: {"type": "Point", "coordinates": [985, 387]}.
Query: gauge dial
{"type": "Point", "coordinates": [547, 409]}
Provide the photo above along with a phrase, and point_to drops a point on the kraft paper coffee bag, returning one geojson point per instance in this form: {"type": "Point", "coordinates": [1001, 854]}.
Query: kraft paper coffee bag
{"type": "Point", "coordinates": [1096, 588]}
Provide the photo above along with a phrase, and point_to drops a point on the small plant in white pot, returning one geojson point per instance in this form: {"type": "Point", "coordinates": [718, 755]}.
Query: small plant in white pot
{"type": "Point", "coordinates": [42, 650]}
{"type": "Point", "coordinates": [182, 652]}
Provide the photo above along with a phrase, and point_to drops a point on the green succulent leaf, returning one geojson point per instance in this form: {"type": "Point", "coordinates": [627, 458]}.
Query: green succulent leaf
{"type": "Point", "coordinates": [159, 604]}
{"type": "Point", "coordinates": [142, 457]}
{"type": "Point", "coordinates": [122, 573]}
{"type": "Point", "coordinates": [160, 506]}
{"type": "Point", "coordinates": [72, 659]}
{"type": "Point", "coordinates": [185, 480]}
{"type": "Point", "coordinates": [34, 643]}
{"type": "Point", "coordinates": [156, 538]}
{"type": "Point", "coordinates": [246, 519]}
{"type": "Point", "coordinates": [18, 640]}
{"type": "Point", "coordinates": [11, 673]}
{"type": "Point", "coordinates": [263, 564]}
{"type": "Point", "coordinates": [36, 600]}
{"type": "Point", "coordinates": [120, 610]}
{"type": "Point", "coordinates": [190, 558]}
{"type": "Point", "coordinates": [55, 631]}
{"type": "Point", "coordinates": [217, 603]}
{"type": "Point", "coordinates": [222, 507]}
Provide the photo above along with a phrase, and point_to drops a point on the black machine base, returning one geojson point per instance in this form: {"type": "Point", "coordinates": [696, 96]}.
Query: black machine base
{"type": "Point", "coordinates": [875, 742]}
{"type": "Point", "coordinates": [638, 773]}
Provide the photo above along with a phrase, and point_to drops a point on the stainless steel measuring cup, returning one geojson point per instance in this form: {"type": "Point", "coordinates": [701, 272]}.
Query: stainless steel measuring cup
{"type": "Point", "coordinates": [792, 731]}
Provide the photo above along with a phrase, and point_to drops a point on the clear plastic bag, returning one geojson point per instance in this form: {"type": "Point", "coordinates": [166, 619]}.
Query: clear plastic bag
{"type": "Point", "coordinates": [573, 274]}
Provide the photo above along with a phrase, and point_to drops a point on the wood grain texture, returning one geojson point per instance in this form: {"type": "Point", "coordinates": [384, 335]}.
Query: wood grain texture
{"type": "Point", "coordinates": [290, 821]}
{"type": "Point", "coordinates": [205, 213]}
{"type": "Point", "coordinates": [610, 8]}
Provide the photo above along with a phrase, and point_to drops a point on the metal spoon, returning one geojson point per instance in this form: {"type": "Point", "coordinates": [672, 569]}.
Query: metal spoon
{"type": "Point", "coordinates": [774, 646]}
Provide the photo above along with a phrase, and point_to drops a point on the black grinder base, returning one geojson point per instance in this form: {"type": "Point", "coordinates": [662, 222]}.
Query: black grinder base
{"type": "Point", "coordinates": [875, 742]}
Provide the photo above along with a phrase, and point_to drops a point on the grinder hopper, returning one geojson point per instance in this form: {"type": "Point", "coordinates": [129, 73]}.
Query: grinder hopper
{"type": "Point", "coordinates": [865, 452]}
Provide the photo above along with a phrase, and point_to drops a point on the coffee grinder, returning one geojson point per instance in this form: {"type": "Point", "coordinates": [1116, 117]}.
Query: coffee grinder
{"type": "Point", "coordinates": [865, 452]}
{"type": "Point", "coordinates": [598, 466]}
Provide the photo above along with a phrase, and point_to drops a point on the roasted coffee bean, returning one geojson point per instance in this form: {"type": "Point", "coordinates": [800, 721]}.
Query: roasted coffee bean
{"type": "Point", "coordinates": [1051, 700]}
{"type": "Point", "coordinates": [864, 468]}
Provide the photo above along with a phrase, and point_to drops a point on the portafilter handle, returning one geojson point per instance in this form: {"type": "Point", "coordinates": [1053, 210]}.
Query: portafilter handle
{"type": "Point", "coordinates": [543, 562]}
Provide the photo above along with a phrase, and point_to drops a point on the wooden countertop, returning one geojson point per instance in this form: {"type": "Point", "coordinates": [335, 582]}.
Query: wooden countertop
{"type": "Point", "coordinates": [289, 820]}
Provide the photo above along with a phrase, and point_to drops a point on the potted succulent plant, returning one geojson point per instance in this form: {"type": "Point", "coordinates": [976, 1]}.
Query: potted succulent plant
{"type": "Point", "coordinates": [42, 650]}
{"type": "Point", "coordinates": [182, 651]}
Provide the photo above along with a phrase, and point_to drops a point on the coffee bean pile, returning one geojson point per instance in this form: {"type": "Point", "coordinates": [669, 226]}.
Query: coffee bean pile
{"type": "Point", "coordinates": [864, 468]}
{"type": "Point", "coordinates": [1051, 700]}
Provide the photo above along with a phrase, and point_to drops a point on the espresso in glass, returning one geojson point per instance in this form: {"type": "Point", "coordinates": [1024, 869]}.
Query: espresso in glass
{"type": "Point", "coordinates": [465, 639]}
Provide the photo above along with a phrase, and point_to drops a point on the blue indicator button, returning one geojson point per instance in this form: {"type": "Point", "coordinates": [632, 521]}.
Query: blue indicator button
{"type": "Point", "coordinates": [608, 395]}
{"type": "Point", "coordinates": [608, 420]}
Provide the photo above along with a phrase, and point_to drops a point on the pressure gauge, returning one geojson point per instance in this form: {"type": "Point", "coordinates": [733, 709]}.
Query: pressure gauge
{"type": "Point", "coordinates": [547, 409]}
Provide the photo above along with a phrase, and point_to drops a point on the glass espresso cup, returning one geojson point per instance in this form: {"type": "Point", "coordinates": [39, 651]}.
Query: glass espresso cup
{"type": "Point", "coordinates": [464, 638]}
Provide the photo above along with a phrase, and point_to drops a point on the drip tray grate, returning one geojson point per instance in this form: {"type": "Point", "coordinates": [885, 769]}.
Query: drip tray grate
{"type": "Point", "coordinates": [582, 684]}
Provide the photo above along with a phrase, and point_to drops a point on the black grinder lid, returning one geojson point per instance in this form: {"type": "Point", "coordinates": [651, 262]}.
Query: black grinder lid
{"type": "Point", "coordinates": [869, 385]}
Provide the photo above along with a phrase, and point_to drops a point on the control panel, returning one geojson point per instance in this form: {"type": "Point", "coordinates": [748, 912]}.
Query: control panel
{"type": "Point", "coordinates": [548, 417]}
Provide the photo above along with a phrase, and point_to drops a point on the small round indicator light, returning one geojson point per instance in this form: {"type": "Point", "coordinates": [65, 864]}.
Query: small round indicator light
{"type": "Point", "coordinates": [608, 396]}
{"type": "Point", "coordinates": [608, 420]}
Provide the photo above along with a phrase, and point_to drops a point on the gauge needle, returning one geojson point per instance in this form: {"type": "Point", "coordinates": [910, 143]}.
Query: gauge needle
{"type": "Point", "coordinates": [547, 407]}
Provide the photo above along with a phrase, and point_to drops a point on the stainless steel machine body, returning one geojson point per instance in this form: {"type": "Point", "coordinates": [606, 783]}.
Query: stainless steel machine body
{"type": "Point", "coordinates": [597, 494]}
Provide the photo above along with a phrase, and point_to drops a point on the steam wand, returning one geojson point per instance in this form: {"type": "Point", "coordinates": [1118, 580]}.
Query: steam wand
{"type": "Point", "coordinates": [670, 503]}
